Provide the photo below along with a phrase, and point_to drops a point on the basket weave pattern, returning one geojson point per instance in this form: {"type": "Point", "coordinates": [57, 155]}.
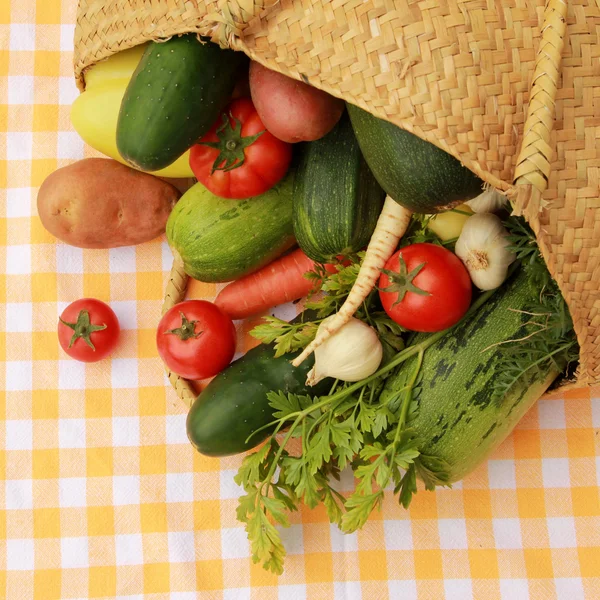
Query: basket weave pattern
{"type": "Point", "coordinates": [511, 88]}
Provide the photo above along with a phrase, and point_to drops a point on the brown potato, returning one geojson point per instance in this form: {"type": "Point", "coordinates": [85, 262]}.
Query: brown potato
{"type": "Point", "coordinates": [100, 203]}
{"type": "Point", "coordinates": [291, 110]}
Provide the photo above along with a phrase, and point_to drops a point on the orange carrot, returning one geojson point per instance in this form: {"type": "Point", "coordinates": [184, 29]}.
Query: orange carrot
{"type": "Point", "coordinates": [279, 282]}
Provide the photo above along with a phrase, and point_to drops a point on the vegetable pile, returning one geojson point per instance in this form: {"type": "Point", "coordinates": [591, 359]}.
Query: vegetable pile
{"type": "Point", "coordinates": [430, 323]}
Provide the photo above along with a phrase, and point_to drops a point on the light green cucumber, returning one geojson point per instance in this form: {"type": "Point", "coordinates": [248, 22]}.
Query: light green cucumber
{"type": "Point", "coordinates": [219, 239]}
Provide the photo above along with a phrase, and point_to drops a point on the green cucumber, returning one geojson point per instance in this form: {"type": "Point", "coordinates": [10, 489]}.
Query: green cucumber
{"type": "Point", "coordinates": [220, 239]}
{"type": "Point", "coordinates": [415, 173]}
{"type": "Point", "coordinates": [337, 201]}
{"type": "Point", "coordinates": [457, 418]}
{"type": "Point", "coordinates": [234, 404]}
{"type": "Point", "coordinates": [173, 98]}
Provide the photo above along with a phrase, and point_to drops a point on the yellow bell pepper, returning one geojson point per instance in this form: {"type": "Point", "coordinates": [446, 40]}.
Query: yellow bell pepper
{"type": "Point", "coordinates": [448, 225]}
{"type": "Point", "coordinates": [95, 112]}
{"type": "Point", "coordinates": [118, 66]}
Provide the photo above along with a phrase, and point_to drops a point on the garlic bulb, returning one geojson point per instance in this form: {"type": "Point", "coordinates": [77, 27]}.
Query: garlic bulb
{"type": "Point", "coordinates": [351, 354]}
{"type": "Point", "coordinates": [483, 248]}
{"type": "Point", "coordinates": [490, 200]}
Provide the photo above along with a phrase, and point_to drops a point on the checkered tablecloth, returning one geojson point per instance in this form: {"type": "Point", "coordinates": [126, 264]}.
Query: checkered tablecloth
{"type": "Point", "coordinates": [101, 495]}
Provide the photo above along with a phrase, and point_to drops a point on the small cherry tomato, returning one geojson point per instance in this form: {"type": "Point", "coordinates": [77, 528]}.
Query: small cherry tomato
{"type": "Point", "coordinates": [238, 158]}
{"type": "Point", "coordinates": [196, 339]}
{"type": "Point", "coordinates": [425, 287]}
{"type": "Point", "coordinates": [88, 330]}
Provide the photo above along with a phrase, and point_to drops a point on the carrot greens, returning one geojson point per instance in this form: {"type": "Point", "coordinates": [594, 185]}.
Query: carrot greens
{"type": "Point", "coordinates": [348, 427]}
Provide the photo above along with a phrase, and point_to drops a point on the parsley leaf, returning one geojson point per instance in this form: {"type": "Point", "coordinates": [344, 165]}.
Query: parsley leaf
{"type": "Point", "coordinates": [266, 546]}
{"type": "Point", "coordinates": [287, 337]}
{"type": "Point", "coordinates": [388, 330]}
{"type": "Point", "coordinates": [358, 509]}
{"type": "Point", "coordinates": [252, 468]}
{"type": "Point", "coordinates": [407, 486]}
{"type": "Point", "coordinates": [336, 288]}
{"type": "Point", "coordinates": [547, 339]}
{"type": "Point", "coordinates": [434, 471]}
{"type": "Point", "coordinates": [333, 505]}
{"type": "Point", "coordinates": [255, 507]}
{"type": "Point", "coordinates": [284, 405]}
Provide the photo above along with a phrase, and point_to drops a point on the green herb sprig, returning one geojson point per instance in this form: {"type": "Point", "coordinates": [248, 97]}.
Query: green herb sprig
{"type": "Point", "coordinates": [349, 426]}
{"type": "Point", "coordinates": [287, 337]}
{"type": "Point", "coordinates": [548, 340]}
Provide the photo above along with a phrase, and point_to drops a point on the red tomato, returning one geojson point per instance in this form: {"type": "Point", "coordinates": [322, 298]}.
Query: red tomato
{"type": "Point", "coordinates": [238, 157]}
{"type": "Point", "coordinates": [425, 287]}
{"type": "Point", "coordinates": [196, 339]}
{"type": "Point", "coordinates": [88, 330]}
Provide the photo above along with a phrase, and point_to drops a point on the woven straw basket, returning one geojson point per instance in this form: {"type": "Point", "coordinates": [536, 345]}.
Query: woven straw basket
{"type": "Point", "coordinates": [509, 87]}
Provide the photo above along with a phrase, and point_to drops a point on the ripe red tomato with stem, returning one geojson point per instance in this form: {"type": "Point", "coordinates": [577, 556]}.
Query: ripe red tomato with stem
{"type": "Point", "coordinates": [88, 330]}
{"type": "Point", "coordinates": [196, 339]}
{"type": "Point", "coordinates": [425, 287]}
{"type": "Point", "coordinates": [238, 158]}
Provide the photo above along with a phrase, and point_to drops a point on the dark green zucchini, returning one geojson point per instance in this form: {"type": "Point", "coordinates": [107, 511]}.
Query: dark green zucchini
{"type": "Point", "coordinates": [337, 201]}
{"type": "Point", "coordinates": [235, 404]}
{"type": "Point", "coordinates": [415, 173]}
{"type": "Point", "coordinates": [175, 95]}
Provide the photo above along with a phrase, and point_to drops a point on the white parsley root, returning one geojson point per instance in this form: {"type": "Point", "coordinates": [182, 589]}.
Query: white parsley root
{"type": "Point", "coordinates": [391, 226]}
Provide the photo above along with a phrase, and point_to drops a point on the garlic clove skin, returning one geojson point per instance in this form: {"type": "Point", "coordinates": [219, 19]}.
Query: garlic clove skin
{"type": "Point", "coordinates": [351, 354]}
{"type": "Point", "coordinates": [489, 201]}
{"type": "Point", "coordinates": [313, 377]}
{"type": "Point", "coordinates": [483, 248]}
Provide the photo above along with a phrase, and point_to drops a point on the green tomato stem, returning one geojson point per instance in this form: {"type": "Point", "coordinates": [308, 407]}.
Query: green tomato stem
{"type": "Point", "coordinates": [230, 144]}
{"type": "Point", "coordinates": [186, 331]}
{"type": "Point", "coordinates": [83, 328]}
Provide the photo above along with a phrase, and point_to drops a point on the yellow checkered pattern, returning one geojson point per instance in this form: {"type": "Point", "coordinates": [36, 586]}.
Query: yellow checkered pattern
{"type": "Point", "coordinates": [101, 496]}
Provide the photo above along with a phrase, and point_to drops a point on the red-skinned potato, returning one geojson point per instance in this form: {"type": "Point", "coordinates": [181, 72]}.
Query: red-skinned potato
{"type": "Point", "coordinates": [100, 203]}
{"type": "Point", "coordinates": [291, 110]}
